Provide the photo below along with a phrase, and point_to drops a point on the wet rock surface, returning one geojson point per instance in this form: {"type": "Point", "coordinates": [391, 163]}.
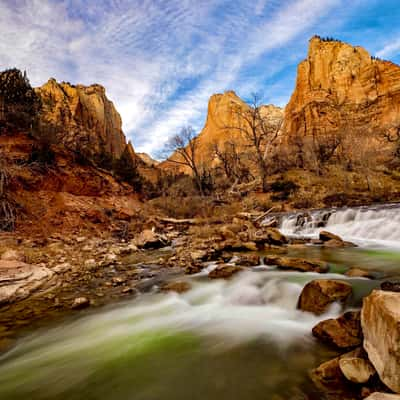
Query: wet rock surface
{"type": "Point", "coordinates": [343, 332]}
{"type": "Point", "coordinates": [319, 294]}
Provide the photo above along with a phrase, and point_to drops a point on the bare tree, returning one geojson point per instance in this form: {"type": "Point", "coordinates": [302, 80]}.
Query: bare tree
{"type": "Point", "coordinates": [183, 148]}
{"type": "Point", "coordinates": [392, 135]}
{"type": "Point", "coordinates": [231, 161]}
{"type": "Point", "coordinates": [258, 132]}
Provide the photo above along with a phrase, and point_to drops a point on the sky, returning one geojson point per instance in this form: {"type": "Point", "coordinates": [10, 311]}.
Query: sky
{"type": "Point", "coordinates": [161, 60]}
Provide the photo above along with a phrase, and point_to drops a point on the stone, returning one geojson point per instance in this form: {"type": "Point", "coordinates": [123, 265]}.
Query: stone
{"type": "Point", "coordinates": [13, 255]}
{"type": "Point", "coordinates": [149, 239]}
{"type": "Point", "coordinates": [383, 396]}
{"type": "Point", "coordinates": [359, 273]}
{"type": "Point", "coordinates": [248, 260]}
{"type": "Point", "coordinates": [380, 321]}
{"type": "Point", "coordinates": [80, 303]}
{"type": "Point", "coordinates": [343, 332]}
{"type": "Point", "coordinates": [178, 287]}
{"type": "Point", "coordinates": [319, 294]}
{"type": "Point", "coordinates": [274, 236]}
{"type": "Point", "coordinates": [326, 236]}
{"type": "Point", "coordinates": [62, 268]}
{"type": "Point", "coordinates": [224, 271]}
{"type": "Point", "coordinates": [19, 280]}
{"type": "Point", "coordinates": [356, 369]}
{"type": "Point", "coordinates": [193, 268]}
{"type": "Point", "coordinates": [297, 264]}
{"type": "Point", "coordinates": [329, 377]}
{"type": "Point", "coordinates": [90, 264]}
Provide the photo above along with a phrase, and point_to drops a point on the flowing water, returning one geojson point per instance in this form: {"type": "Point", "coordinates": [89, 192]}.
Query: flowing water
{"type": "Point", "coordinates": [236, 339]}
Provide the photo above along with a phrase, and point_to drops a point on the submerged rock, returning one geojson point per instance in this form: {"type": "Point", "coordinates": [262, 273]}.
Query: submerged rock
{"type": "Point", "coordinates": [344, 332]}
{"type": "Point", "coordinates": [319, 294]}
{"type": "Point", "coordinates": [297, 264]}
{"type": "Point", "coordinates": [359, 273]}
{"type": "Point", "coordinates": [224, 271]}
{"type": "Point", "coordinates": [380, 320]}
{"type": "Point", "coordinates": [178, 287]}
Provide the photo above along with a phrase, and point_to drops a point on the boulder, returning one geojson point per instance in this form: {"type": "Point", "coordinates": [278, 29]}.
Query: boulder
{"type": "Point", "coordinates": [380, 321]}
{"type": "Point", "coordinates": [148, 239]}
{"type": "Point", "coordinates": [326, 236]}
{"type": "Point", "coordinates": [248, 260]}
{"type": "Point", "coordinates": [356, 369]}
{"type": "Point", "coordinates": [319, 294]}
{"type": "Point", "coordinates": [329, 377]}
{"type": "Point", "coordinates": [297, 264]}
{"type": "Point", "coordinates": [337, 244]}
{"type": "Point", "coordinates": [383, 396]}
{"type": "Point", "coordinates": [178, 287]}
{"type": "Point", "coordinates": [271, 236]}
{"type": "Point", "coordinates": [359, 273]}
{"type": "Point", "coordinates": [343, 332]}
{"type": "Point", "coordinates": [18, 280]}
{"type": "Point", "coordinates": [224, 271]}
{"type": "Point", "coordinates": [80, 303]}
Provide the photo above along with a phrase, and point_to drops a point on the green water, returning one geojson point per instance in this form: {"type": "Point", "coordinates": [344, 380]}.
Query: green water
{"type": "Point", "coordinates": [223, 340]}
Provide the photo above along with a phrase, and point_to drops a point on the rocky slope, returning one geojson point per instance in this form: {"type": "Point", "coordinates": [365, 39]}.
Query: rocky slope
{"type": "Point", "coordinates": [340, 87]}
{"type": "Point", "coordinates": [82, 118]}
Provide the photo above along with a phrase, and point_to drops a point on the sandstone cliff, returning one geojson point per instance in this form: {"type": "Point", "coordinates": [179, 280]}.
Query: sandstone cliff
{"type": "Point", "coordinates": [223, 118]}
{"type": "Point", "coordinates": [341, 87]}
{"type": "Point", "coordinates": [82, 119]}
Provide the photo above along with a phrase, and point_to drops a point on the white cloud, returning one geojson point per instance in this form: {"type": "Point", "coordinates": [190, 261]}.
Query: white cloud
{"type": "Point", "coordinates": [390, 49]}
{"type": "Point", "coordinates": [159, 61]}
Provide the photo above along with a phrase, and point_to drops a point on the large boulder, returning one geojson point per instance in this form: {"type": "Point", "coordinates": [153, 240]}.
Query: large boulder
{"type": "Point", "coordinates": [18, 280]}
{"type": "Point", "coordinates": [318, 295]}
{"type": "Point", "coordinates": [343, 332]}
{"type": "Point", "coordinates": [297, 264]}
{"type": "Point", "coordinates": [149, 239]}
{"type": "Point", "coordinates": [383, 396]}
{"type": "Point", "coordinates": [380, 321]}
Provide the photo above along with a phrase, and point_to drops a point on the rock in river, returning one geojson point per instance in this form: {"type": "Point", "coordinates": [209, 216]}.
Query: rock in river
{"type": "Point", "coordinates": [343, 332]}
{"type": "Point", "coordinates": [380, 321]}
{"type": "Point", "coordinates": [319, 294]}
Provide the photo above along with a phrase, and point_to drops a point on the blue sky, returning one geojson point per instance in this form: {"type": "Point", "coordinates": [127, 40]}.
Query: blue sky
{"type": "Point", "coordinates": [161, 60]}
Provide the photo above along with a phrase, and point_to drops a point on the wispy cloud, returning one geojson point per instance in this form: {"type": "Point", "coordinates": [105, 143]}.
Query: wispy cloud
{"type": "Point", "coordinates": [390, 49]}
{"type": "Point", "coordinates": [161, 60]}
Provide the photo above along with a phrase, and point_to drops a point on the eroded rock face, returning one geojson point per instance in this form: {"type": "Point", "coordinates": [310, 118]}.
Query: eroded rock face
{"type": "Point", "coordinates": [82, 118]}
{"type": "Point", "coordinates": [380, 320]}
{"type": "Point", "coordinates": [18, 280]}
{"type": "Point", "coordinates": [319, 294]}
{"type": "Point", "coordinates": [222, 116]}
{"type": "Point", "coordinates": [340, 87]}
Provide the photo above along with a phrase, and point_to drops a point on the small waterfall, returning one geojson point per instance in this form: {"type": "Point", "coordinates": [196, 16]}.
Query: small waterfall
{"type": "Point", "coordinates": [374, 225]}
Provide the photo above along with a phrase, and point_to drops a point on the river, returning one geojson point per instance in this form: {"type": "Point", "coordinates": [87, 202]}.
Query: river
{"type": "Point", "coordinates": [241, 338]}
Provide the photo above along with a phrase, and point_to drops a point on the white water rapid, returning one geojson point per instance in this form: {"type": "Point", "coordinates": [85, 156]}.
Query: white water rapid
{"type": "Point", "coordinates": [374, 226]}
